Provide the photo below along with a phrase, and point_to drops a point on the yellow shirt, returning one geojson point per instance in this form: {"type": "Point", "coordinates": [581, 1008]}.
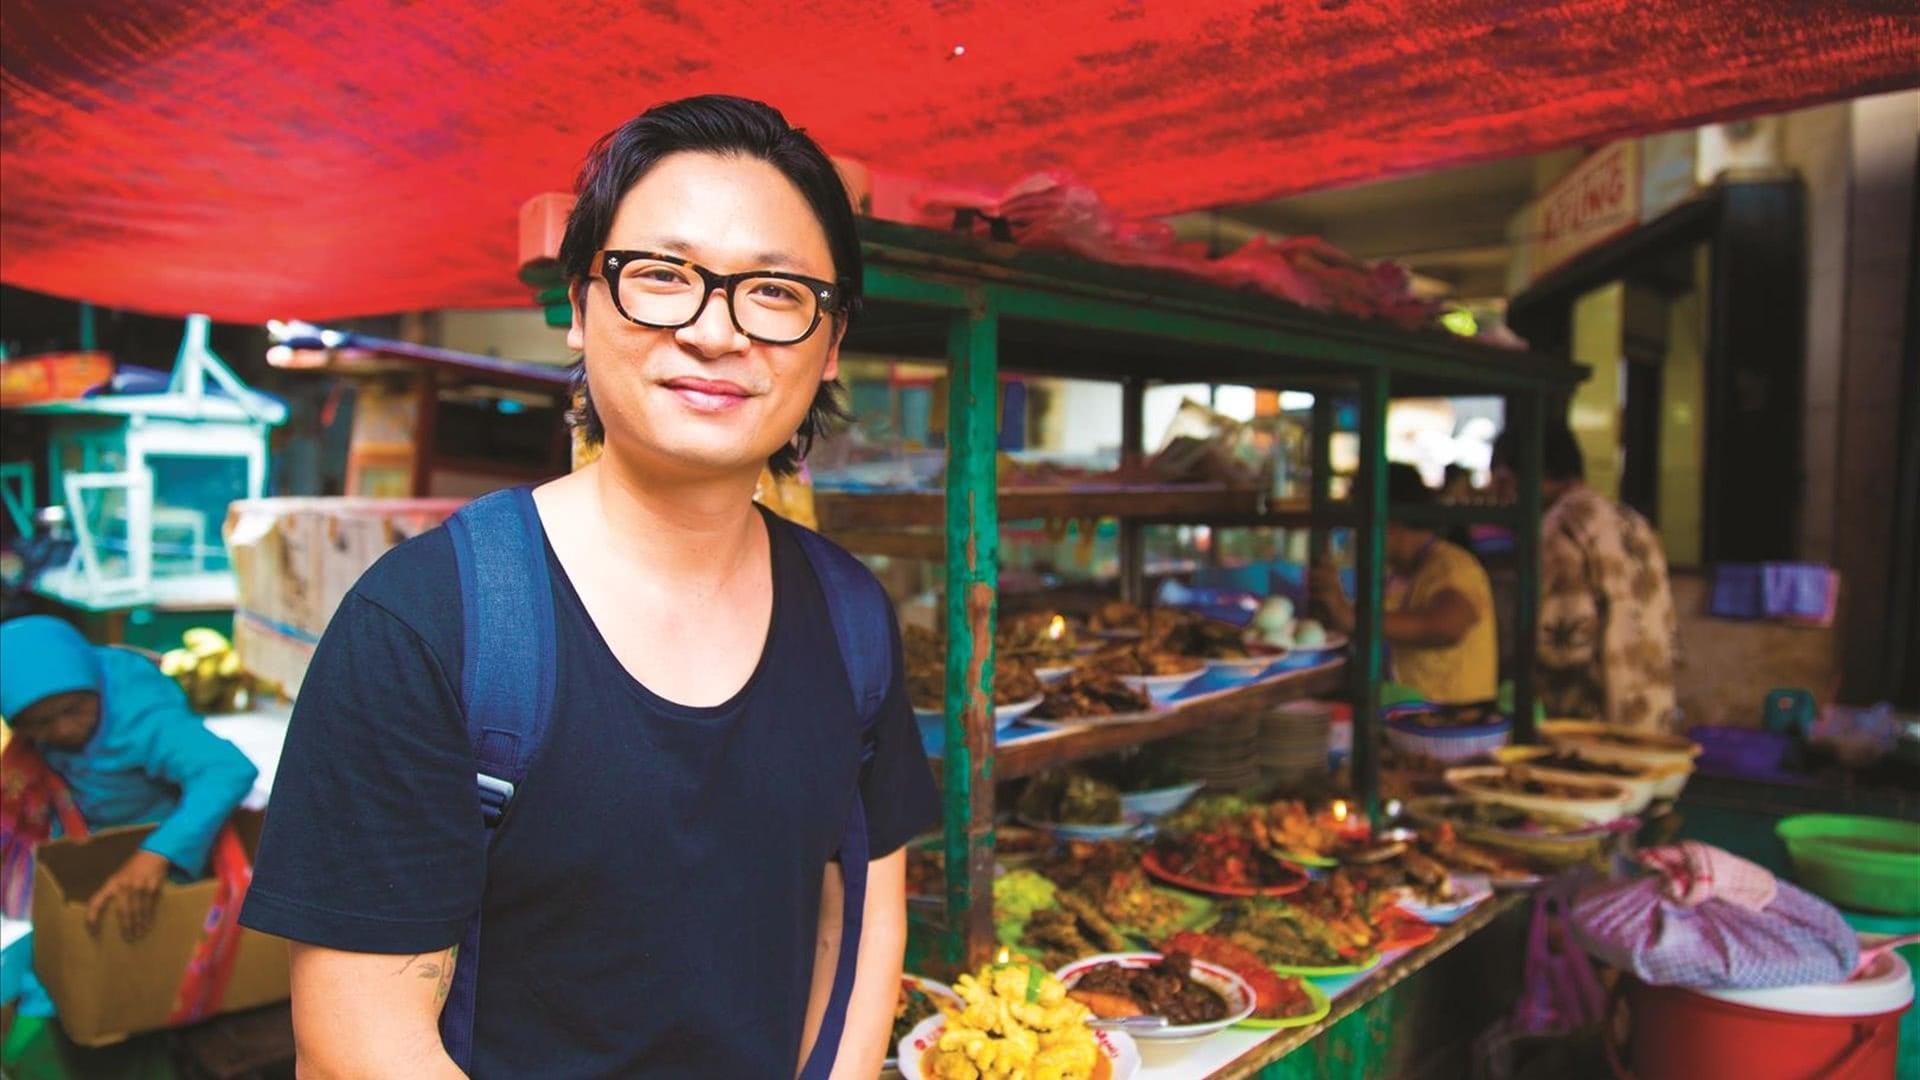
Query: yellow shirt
{"type": "Point", "coordinates": [1468, 670]}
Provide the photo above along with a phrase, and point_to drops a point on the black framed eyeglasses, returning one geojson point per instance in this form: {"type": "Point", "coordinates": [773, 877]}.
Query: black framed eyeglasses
{"type": "Point", "coordinates": [666, 292]}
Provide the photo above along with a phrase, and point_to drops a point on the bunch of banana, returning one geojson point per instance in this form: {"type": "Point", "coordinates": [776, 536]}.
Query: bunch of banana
{"type": "Point", "coordinates": [208, 669]}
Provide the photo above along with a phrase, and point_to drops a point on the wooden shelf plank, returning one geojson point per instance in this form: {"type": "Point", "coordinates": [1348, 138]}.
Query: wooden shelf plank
{"type": "Point", "coordinates": [1037, 755]}
{"type": "Point", "coordinates": [839, 510]}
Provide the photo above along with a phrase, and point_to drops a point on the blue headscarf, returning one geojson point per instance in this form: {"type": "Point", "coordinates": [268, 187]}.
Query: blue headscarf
{"type": "Point", "coordinates": [41, 656]}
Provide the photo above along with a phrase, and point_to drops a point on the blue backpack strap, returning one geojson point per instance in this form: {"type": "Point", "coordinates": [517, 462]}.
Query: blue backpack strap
{"type": "Point", "coordinates": [862, 624]}
{"type": "Point", "coordinates": [507, 677]}
{"type": "Point", "coordinates": [863, 627]}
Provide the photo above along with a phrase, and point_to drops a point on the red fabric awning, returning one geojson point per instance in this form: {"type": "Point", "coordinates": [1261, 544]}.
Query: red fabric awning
{"type": "Point", "coordinates": [256, 158]}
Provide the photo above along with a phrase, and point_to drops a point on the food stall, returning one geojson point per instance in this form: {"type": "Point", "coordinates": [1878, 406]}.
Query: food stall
{"type": "Point", "coordinates": [985, 308]}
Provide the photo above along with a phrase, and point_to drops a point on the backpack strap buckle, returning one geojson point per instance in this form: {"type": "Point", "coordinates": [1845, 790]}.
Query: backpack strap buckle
{"type": "Point", "coordinates": [495, 794]}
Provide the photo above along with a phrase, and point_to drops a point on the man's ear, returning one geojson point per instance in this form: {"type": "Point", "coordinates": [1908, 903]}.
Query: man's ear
{"type": "Point", "coordinates": [577, 331]}
{"type": "Point", "coordinates": [831, 371]}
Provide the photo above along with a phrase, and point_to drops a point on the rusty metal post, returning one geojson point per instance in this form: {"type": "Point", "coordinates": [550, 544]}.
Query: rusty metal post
{"type": "Point", "coordinates": [973, 566]}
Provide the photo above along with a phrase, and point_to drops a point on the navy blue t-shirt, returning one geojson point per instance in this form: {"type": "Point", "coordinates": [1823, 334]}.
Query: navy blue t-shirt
{"type": "Point", "coordinates": [652, 897]}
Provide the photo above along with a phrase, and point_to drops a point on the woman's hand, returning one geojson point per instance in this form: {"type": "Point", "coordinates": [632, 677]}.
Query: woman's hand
{"type": "Point", "coordinates": [1324, 587]}
{"type": "Point", "coordinates": [134, 890]}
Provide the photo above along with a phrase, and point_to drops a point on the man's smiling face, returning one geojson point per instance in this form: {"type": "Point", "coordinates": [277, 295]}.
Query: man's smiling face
{"type": "Point", "coordinates": [705, 399]}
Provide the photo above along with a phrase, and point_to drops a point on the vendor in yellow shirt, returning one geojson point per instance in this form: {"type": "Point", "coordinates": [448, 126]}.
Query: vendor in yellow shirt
{"type": "Point", "coordinates": [1439, 621]}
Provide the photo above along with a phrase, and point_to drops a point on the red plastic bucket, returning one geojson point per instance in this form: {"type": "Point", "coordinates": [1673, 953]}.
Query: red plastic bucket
{"type": "Point", "coordinates": [1846, 1031]}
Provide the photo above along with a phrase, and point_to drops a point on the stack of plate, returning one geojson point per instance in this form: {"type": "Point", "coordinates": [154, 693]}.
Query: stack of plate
{"type": "Point", "coordinates": [1220, 755]}
{"type": "Point", "coordinates": [1292, 743]}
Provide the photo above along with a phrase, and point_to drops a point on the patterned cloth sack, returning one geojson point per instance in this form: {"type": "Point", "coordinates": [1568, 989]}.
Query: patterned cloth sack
{"type": "Point", "coordinates": [1705, 918]}
{"type": "Point", "coordinates": [32, 799]}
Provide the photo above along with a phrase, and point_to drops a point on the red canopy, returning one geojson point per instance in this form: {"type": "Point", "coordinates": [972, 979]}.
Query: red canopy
{"type": "Point", "coordinates": [288, 158]}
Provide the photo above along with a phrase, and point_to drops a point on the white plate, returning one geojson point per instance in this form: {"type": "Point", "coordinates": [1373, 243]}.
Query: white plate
{"type": "Point", "coordinates": [1469, 890]}
{"type": "Point", "coordinates": [1238, 995]}
{"type": "Point", "coordinates": [1250, 668]}
{"type": "Point", "coordinates": [1053, 674]}
{"type": "Point", "coordinates": [932, 989]}
{"type": "Point", "coordinates": [1162, 687]}
{"type": "Point", "coordinates": [1334, 643]}
{"type": "Point", "coordinates": [1120, 830]}
{"type": "Point", "coordinates": [1097, 721]}
{"type": "Point", "coordinates": [1117, 1047]}
{"type": "Point", "coordinates": [1004, 716]}
{"type": "Point", "coordinates": [1159, 802]}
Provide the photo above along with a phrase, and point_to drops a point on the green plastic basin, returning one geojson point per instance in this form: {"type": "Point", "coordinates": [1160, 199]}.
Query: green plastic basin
{"type": "Point", "coordinates": [1864, 863]}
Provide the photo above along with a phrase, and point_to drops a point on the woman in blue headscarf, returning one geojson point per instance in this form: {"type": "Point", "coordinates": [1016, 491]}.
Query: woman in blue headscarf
{"type": "Point", "coordinates": [101, 732]}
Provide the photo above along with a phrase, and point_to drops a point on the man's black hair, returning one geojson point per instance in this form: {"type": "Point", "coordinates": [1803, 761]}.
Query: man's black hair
{"type": "Point", "coordinates": [1404, 485]}
{"type": "Point", "coordinates": [714, 124]}
{"type": "Point", "coordinates": [1560, 457]}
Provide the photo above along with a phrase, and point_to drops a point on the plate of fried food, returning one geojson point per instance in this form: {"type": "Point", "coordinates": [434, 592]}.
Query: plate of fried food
{"type": "Point", "coordinates": [1196, 998]}
{"type": "Point", "coordinates": [1421, 885]}
{"type": "Point", "coordinates": [1155, 672]}
{"type": "Point", "coordinates": [920, 999]}
{"type": "Point", "coordinates": [1016, 689]}
{"type": "Point", "coordinates": [1504, 867]}
{"type": "Point", "coordinates": [1044, 639]}
{"type": "Point", "coordinates": [1015, 1020]}
{"type": "Point", "coordinates": [1090, 696]}
{"type": "Point", "coordinates": [1289, 939]}
{"type": "Point", "coordinates": [1223, 862]}
{"type": "Point", "coordinates": [1109, 876]}
{"type": "Point", "coordinates": [1224, 648]}
{"type": "Point", "coordinates": [1016, 693]}
{"type": "Point", "coordinates": [1117, 620]}
{"type": "Point", "coordinates": [1290, 832]}
{"type": "Point", "coordinates": [1279, 1001]}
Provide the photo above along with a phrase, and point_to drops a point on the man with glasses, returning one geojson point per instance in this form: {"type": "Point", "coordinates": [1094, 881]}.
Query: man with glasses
{"type": "Point", "coordinates": [661, 897]}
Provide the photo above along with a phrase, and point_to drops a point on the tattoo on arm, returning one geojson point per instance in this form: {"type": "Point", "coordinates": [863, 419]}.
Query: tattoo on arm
{"type": "Point", "coordinates": [438, 967]}
{"type": "Point", "coordinates": [446, 977]}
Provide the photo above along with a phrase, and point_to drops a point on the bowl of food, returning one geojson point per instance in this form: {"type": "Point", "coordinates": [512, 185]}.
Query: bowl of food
{"type": "Point", "coordinates": [1641, 781]}
{"type": "Point", "coordinates": [1151, 784]}
{"type": "Point", "coordinates": [1073, 804]}
{"type": "Point", "coordinates": [1007, 1009]}
{"type": "Point", "coordinates": [1595, 801]}
{"type": "Point", "coordinates": [1195, 997]}
{"type": "Point", "coordinates": [921, 999]}
{"type": "Point", "coordinates": [1448, 734]}
{"type": "Point", "coordinates": [1605, 742]}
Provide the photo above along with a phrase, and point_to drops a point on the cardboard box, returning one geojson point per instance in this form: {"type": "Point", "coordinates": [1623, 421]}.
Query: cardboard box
{"type": "Point", "coordinates": [108, 988]}
{"type": "Point", "coordinates": [294, 561]}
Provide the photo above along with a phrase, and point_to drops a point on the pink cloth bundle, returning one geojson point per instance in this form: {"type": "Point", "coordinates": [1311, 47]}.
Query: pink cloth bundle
{"type": "Point", "coordinates": [1706, 918]}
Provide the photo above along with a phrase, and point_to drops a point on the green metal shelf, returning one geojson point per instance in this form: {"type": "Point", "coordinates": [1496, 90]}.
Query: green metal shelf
{"type": "Point", "coordinates": [985, 308]}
